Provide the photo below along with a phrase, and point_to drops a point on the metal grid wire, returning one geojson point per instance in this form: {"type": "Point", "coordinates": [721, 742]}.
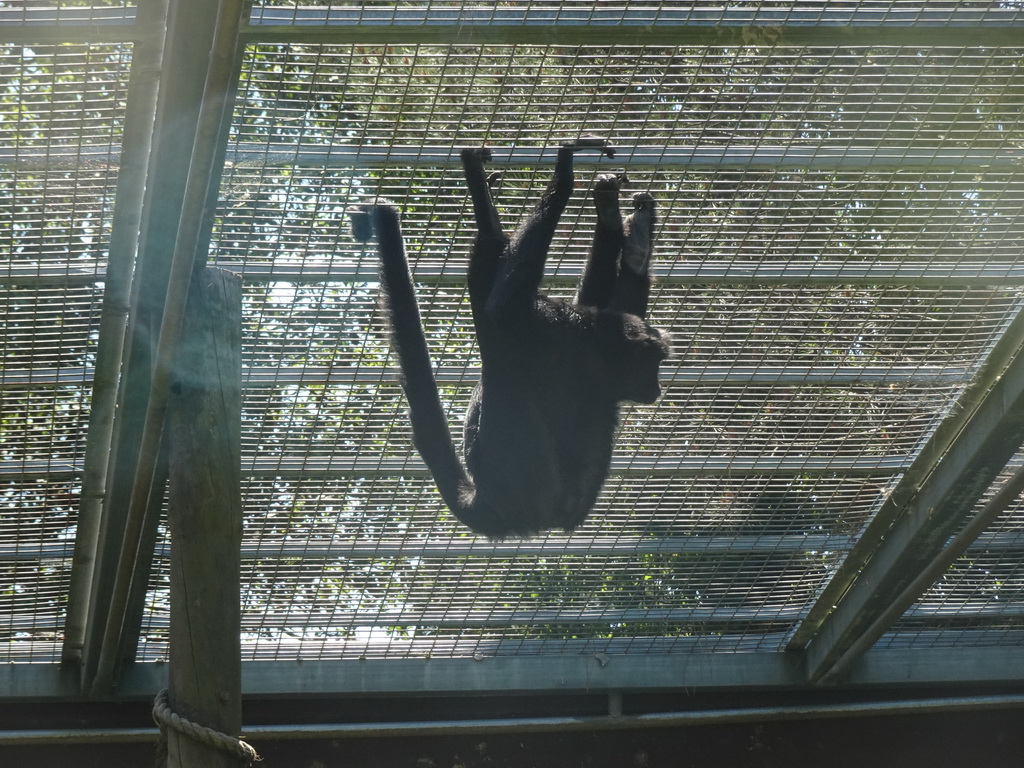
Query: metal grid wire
{"type": "Point", "coordinates": [55, 218]}
{"type": "Point", "coordinates": [60, 127]}
{"type": "Point", "coordinates": [789, 412]}
{"type": "Point", "coordinates": [371, 567]}
{"type": "Point", "coordinates": [53, 12]}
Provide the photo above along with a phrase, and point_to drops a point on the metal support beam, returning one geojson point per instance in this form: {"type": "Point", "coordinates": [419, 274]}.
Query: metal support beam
{"type": "Point", "coordinates": [901, 605]}
{"type": "Point", "coordinates": [556, 673]}
{"type": "Point", "coordinates": [943, 271]}
{"type": "Point", "coordinates": [690, 158]}
{"type": "Point", "coordinates": [688, 466]}
{"type": "Point", "coordinates": [911, 24]}
{"type": "Point", "coordinates": [1005, 351]}
{"type": "Point", "coordinates": [530, 23]}
{"type": "Point", "coordinates": [572, 546]}
{"type": "Point", "coordinates": [561, 724]}
{"type": "Point", "coordinates": [915, 524]}
{"type": "Point", "coordinates": [796, 375]}
{"type": "Point", "coordinates": [28, 25]}
{"type": "Point", "coordinates": [1010, 544]}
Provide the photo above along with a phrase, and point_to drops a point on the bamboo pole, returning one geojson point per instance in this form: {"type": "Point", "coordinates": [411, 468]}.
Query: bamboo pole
{"type": "Point", "coordinates": [143, 88]}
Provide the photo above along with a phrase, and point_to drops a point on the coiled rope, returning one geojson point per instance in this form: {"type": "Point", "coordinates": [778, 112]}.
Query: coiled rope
{"type": "Point", "coordinates": [165, 718]}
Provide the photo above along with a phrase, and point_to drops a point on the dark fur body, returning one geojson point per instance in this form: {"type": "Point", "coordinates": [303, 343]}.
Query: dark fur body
{"type": "Point", "coordinates": [539, 431]}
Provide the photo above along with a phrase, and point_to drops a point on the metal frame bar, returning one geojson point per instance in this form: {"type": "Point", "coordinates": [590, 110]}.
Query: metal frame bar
{"type": "Point", "coordinates": [900, 606]}
{"type": "Point", "coordinates": [189, 124]}
{"type": "Point", "coordinates": [565, 673]}
{"type": "Point", "coordinates": [614, 720]}
{"type": "Point", "coordinates": [825, 376]}
{"type": "Point", "coordinates": [450, 619]}
{"type": "Point", "coordinates": [761, 156]}
{"type": "Point", "coordinates": [578, 546]}
{"type": "Point", "coordinates": [744, 618]}
{"type": "Point", "coordinates": [941, 272]}
{"type": "Point", "coordinates": [551, 25]}
{"type": "Point", "coordinates": [698, 466]}
{"type": "Point", "coordinates": [70, 25]}
{"type": "Point", "coordinates": [1006, 350]}
{"type": "Point", "coordinates": [929, 505]}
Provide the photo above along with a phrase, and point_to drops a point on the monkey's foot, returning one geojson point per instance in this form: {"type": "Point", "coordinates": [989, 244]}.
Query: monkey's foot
{"type": "Point", "coordinates": [606, 200]}
{"type": "Point", "coordinates": [639, 246]}
{"type": "Point", "coordinates": [590, 142]}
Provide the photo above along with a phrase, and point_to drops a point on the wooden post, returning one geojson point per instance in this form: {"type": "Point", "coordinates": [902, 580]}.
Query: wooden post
{"type": "Point", "coordinates": [205, 519]}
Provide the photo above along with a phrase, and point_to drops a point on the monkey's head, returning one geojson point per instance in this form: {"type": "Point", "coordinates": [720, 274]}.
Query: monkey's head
{"type": "Point", "coordinates": [641, 349]}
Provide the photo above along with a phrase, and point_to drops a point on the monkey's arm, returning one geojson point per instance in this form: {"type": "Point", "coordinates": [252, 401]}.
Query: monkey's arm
{"type": "Point", "coordinates": [520, 274]}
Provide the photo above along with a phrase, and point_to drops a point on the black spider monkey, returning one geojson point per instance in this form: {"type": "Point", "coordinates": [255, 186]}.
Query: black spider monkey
{"type": "Point", "coordinates": [540, 426]}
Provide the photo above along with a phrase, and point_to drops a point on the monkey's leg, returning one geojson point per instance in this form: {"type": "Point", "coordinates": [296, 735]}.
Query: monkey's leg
{"type": "Point", "coordinates": [598, 282]}
{"type": "Point", "coordinates": [490, 240]}
{"type": "Point", "coordinates": [486, 215]}
{"type": "Point", "coordinates": [522, 267]}
{"type": "Point", "coordinates": [633, 287]}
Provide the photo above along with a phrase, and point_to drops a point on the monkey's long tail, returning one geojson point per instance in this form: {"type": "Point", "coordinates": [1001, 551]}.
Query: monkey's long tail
{"type": "Point", "coordinates": [430, 431]}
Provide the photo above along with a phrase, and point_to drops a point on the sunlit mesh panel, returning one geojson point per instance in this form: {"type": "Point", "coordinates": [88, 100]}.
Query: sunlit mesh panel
{"type": "Point", "coordinates": [792, 405]}
{"type": "Point", "coordinates": [838, 253]}
{"type": "Point", "coordinates": [60, 123]}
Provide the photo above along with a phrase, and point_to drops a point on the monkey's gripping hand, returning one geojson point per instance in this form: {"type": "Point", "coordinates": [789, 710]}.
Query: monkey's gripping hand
{"type": "Point", "coordinates": [591, 142]}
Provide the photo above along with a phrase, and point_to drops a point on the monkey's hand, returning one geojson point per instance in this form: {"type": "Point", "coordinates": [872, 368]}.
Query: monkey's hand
{"type": "Point", "coordinates": [476, 155]}
{"type": "Point", "coordinates": [591, 142]}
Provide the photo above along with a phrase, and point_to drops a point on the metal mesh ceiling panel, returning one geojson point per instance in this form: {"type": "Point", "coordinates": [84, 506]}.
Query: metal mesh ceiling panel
{"type": "Point", "coordinates": [790, 410]}
{"type": "Point", "coordinates": [837, 262]}
{"type": "Point", "coordinates": [55, 219]}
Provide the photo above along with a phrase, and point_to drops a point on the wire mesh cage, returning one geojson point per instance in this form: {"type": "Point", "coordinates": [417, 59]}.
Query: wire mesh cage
{"type": "Point", "coordinates": [839, 227]}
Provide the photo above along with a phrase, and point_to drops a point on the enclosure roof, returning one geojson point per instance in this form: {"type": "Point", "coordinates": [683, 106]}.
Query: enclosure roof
{"type": "Point", "coordinates": [827, 490]}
